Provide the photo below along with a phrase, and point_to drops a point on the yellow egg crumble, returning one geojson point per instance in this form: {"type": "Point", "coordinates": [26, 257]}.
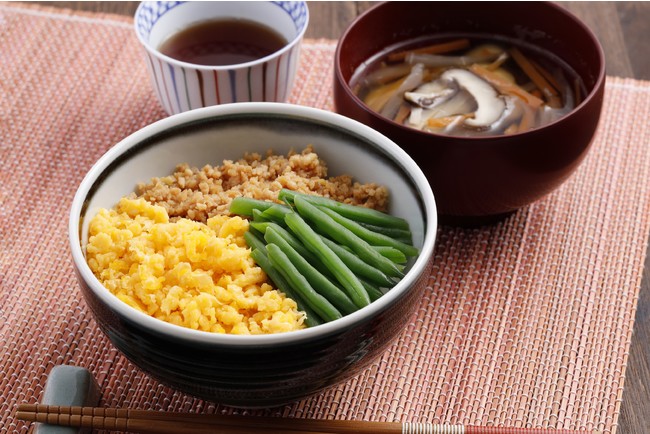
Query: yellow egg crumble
{"type": "Point", "coordinates": [192, 274]}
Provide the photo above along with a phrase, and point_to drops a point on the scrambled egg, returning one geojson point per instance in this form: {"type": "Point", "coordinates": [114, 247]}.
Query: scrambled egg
{"type": "Point", "coordinates": [184, 272]}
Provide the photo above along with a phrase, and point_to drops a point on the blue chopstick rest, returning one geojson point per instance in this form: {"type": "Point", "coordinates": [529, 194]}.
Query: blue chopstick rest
{"type": "Point", "coordinates": [68, 386]}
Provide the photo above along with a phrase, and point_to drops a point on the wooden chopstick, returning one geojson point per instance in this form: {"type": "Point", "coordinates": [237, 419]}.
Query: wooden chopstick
{"type": "Point", "coordinates": [151, 421]}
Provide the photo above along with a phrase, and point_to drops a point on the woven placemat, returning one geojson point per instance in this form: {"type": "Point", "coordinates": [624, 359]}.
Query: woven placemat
{"type": "Point", "coordinates": [526, 323]}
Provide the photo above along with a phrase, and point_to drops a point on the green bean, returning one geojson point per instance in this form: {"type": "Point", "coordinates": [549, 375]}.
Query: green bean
{"type": "Point", "coordinates": [276, 213]}
{"type": "Point", "coordinates": [341, 234]}
{"type": "Point", "coordinates": [348, 280]}
{"type": "Point", "coordinates": [254, 241]}
{"type": "Point", "coordinates": [391, 253]}
{"type": "Point", "coordinates": [394, 255]}
{"type": "Point", "coordinates": [293, 241]}
{"type": "Point", "coordinates": [245, 205]}
{"type": "Point", "coordinates": [316, 279]}
{"type": "Point", "coordinates": [302, 250]}
{"type": "Point", "coordinates": [261, 258]}
{"type": "Point", "coordinates": [403, 235]}
{"type": "Point", "coordinates": [255, 232]}
{"type": "Point", "coordinates": [299, 284]}
{"type": "Point", "coordinates": [357, 213]}
{"type": "Point", "coordinates": [373, 292]}
{"type": "Point", "coordinates": [357, 265]}
{"type": "Point", "coordinates": [258, 216]}
{"type": "Point", "coordinates": [347, 256]}
{"type": "Point", "coordinates": [258, 248]}
{"type": "Point", "coordinates": [372, 238]}
{"type": "Point", "coordinates": [260, 226]}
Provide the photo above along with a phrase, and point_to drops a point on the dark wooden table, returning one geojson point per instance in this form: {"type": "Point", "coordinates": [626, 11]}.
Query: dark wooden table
{"type": "Point", "coordinates": [623, 29]}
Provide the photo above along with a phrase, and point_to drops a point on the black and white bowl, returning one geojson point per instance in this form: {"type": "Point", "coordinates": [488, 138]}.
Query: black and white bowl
{"type": "Point", "coordinates": [266, 370]}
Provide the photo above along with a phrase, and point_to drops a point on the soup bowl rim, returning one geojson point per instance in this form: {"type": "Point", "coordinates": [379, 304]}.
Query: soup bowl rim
{"type": "Point", "coordinates": [591, 95]}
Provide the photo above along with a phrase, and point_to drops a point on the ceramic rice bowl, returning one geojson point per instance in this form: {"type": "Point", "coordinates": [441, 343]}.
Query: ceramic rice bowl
{"type": "Point", "coordinates": [261, 370]}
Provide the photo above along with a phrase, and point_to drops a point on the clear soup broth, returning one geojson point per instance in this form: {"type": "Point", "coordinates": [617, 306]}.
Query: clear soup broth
{"type": "Point", "coordinates": [468, 85]}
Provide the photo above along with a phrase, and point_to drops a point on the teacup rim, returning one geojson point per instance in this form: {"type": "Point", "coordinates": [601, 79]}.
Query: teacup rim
{"type": "Point", "coordinates": [235, 66]}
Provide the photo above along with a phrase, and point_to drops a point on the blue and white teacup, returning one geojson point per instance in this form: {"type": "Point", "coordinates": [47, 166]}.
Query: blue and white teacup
{"type": "Point", "coordinates": [182, 86]}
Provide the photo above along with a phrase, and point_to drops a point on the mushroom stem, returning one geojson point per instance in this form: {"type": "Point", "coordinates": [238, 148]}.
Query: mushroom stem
{"type": "Point", "coordinates": [413, 80]}
{"type": "Point", "coordinates": [483, 53]}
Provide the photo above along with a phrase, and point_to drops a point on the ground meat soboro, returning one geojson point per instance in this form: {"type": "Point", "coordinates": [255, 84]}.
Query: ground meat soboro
{"type": "Point", "coordinates": [199, 194]}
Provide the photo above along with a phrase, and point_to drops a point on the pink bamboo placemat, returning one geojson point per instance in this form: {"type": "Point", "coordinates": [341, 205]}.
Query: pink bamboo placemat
{"type": "Point", "coordinates": [526, 323]}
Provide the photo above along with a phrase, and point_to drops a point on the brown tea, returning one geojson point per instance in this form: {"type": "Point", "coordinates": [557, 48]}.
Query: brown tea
{"type": "Point", "coordinates": [223, 42]}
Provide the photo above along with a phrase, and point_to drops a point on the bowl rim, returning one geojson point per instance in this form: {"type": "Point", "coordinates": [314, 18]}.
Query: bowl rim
{"type": "Point", "coordinates": [154, 325]}
{"type": "Point", "coordinates": [154, 51]}
{"type": "Point", "coordinates": [597, 89]}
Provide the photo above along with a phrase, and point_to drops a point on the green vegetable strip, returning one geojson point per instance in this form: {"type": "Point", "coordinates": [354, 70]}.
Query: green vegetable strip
{"type": "Point", "coordinates": [341, 234]}
{"type": "Point", "coordinates": [260, 226]}
{"type": "Point", "coordinates": [299, 284]}
{"type": "Point", "coordinates": [357, 213]}
{"type": "Point", "coordinates": [245, 206]}
{"type": "Point", "coordinates": [348, 257]}
{"type": "Point", "coordinates": [258, 248]}
{"type": "Point", "coordinates": [369, 236]}
{"type": "Point", "coordinates": [348, 280]}
{"type": "Point", "coordinates": [317, 280]}
{"type": "Point", "coordinates": [292, 240]}
{"type": "Point", "coordinates": [398, 234]}
{"type": "Point", "coordinates": [254, 241]}
{"type": "Point", "coordinates": [302, 250]}
{"type": "Point", "coordinates": [373, 292]}
{"type": "Point", "coordinates": [393, 254]}
{"type": "Point", "coordinates": [255, 232]}
{"type": "Point", "coordinates": [258, 216]}
{"type": "Point", "coordinates": [359, 267]}
{"type": "Point", "coordinates": [276, 213]}
{"type": "Point", "coordinates": [260, 257]}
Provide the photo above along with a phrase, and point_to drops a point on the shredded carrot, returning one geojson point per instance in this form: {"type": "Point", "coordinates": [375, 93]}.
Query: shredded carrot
{"type": "Point", "coordinates": [402, 113]}
{"type": "Point", "coordinates": [547, 75]}
{"type": "Point", "coordinates": [440, 48]}
{"type": "Point", "coordinates": [577, 92]}
{"type": "Point", "coordinates": [505, 86]}
{"type": "Point", "coordinates": [511, 129]}
{"type": "Point", "coordinates": [550, 93]}
{"type": "Point", "coordinates": [431, 74]}
{"type": "Point", "coordinates": [446, 121]}
{"type": "Point", "coordinates": [526, 120]}
{"type": "Point", "coordinates": [496, 64]}
{"type": "Point", "coordinates": [377, 98]}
